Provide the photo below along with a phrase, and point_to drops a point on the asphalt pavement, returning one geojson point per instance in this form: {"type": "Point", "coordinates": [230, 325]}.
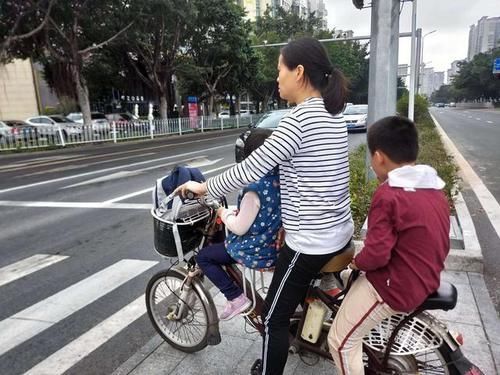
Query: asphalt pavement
{"type": "Point", "coordinates": [76, 248]}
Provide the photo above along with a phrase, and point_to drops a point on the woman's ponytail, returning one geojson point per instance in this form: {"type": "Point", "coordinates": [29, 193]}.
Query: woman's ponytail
{"type": "Point", "coordinates": [335, 92]}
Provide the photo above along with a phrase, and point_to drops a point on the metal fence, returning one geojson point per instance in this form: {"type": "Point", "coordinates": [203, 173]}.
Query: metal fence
{"type": "Point", "coordinates": [55, 136]}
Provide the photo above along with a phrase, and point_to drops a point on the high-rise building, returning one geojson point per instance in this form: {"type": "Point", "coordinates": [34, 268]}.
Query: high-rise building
{"type": "Point", "coordinates": [453, 71]}
{"type": "Point", "coordinates": [319, 9]}
{"type": "Point", "coordinates": [431, 81]}
{"type": "Point", "coordinates": [484, 36]}
{"type": "Point", "coordinates": [255, 8]}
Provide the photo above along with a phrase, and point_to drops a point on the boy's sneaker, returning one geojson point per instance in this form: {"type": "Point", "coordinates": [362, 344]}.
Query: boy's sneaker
{"type": "Point", "coordinates": [235, 307]}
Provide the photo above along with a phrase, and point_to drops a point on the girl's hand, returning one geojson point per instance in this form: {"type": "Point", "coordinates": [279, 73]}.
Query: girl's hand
{"type": "Point", "coordinates": [353, 266]}
{"type": "Point", "coordinates": [198, 189]}
{"type": "Point", "coordinates": [220, 210]}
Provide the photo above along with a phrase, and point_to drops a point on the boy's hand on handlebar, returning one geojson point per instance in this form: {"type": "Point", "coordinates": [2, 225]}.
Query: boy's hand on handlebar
{"type": "Point", "coordinates": [198, 189]}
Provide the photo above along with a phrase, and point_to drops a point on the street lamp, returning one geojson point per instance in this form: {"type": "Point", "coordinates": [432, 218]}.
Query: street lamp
{"type": "Point", "coordinates": [420, 63]}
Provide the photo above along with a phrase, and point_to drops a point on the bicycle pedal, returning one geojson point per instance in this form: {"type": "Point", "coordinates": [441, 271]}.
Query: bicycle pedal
{"type": "Point", "coordinates": [256, 368]}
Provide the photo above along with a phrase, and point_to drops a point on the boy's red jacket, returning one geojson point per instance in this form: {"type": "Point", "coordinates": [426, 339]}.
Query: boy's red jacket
{"type": "Point", "coordinates": [406, 244]}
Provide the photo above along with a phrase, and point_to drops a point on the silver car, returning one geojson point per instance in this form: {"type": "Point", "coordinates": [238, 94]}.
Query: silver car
{"type": "Point", "coordinates": [50, 125]}
{"type": "Point", "coordinates": [100, 123]}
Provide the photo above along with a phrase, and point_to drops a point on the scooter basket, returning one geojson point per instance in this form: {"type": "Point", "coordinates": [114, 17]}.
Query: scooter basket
{"type": "Point", "coordinates": [174, 236]}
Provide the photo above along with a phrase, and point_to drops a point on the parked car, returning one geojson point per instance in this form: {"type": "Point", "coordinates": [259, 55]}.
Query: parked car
{"type": "Point", "coordinates": [270, 120]}
{"type": "Point", "coordinates": [6, 135]}
{"type": "Point", "coordinates": [224, 114]}
{"type": "Point", "coordinates": [453, 104]}
{"type": "Point", "coordinates": [49, 125]}
{"type": "Point", "coordinates": [22, 130]}
{"type": "Point", "coordinates": [246, 113]}
{"type": "Point", "coordinates": [100, 123]}
{"type": "Point", "coordinates": [355, 117]}
{"type": "Point", "coordinates": [440, 105]}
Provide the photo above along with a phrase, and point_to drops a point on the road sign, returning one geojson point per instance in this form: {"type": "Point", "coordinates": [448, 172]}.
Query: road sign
{"type": "Point", "coordinates": [496, 66]}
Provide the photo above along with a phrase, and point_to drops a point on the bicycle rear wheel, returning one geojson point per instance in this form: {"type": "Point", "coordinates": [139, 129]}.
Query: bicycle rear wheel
{"type": "Point", "coordinates": [177, 312]}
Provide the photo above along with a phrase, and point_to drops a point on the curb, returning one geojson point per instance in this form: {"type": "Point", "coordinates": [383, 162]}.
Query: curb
{"type": "Point", "coordinates": [469, 259]}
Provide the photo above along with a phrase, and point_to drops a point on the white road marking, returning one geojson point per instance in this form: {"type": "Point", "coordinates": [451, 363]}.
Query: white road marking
{"type": "Point", "coordinates": [150, 189]}
{"type": "Point", "coordinates": [122, 206]}
{"type": "Point", "coordinates": [27, 266]}
{"type": "Point", "coordinates": [75, 351]}
{"type": "Point", "coordinates": [15, 188]}
{"type": "Point", "coordinates": [487, 200]}
{"type": "Point", "coordinates": [37, 318]}
{"type": "Point", "coordinates": [109, 177]}
{"type": "Point", "coordinates": [478, 119]}
{"type": "Point", "coordinates": [80, 166]}
{"type": "Point", "coordinates": [489, 122]}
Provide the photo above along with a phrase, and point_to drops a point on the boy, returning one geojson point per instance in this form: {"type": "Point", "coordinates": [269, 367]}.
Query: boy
{"type": "Point", "coordinates": [406, 243]}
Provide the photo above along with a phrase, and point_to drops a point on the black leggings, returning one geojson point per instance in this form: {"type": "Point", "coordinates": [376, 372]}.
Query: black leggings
{"type": "Point", "coordinates": [292, 277]}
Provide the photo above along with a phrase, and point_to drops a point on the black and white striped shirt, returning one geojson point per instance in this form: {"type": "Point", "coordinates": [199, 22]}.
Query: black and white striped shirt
{"type": "Point", "coordinates": [310, 147]}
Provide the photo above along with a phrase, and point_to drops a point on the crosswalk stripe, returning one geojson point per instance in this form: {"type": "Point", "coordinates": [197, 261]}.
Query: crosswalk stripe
{"type": "Point", "coordinates": [75, 351]}
{"type": "Point", "coordinates": [27, 266]}
{"type": "Point", "coordinates": [35, 319]}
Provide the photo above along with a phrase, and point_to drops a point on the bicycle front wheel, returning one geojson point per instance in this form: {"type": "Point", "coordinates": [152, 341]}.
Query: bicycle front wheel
{"type": "Point", "coordinates": [177, 311]}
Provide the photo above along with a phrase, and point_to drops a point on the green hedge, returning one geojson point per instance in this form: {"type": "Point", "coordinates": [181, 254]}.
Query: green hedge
{"type": "Point", "coordinates": [432, 152]}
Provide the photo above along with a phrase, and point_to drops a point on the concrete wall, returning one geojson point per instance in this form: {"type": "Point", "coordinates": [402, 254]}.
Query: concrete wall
{"type": "Point", "coordinates": [18, 98]}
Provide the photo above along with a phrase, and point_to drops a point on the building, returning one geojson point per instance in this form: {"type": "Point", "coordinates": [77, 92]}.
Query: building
{"type": "Point", "coordinates": [255, 8]}
{"type": "Point", "coordinates": [18, 92]}
{"type": "Point", "coordinates": [453, 71]}
{"type": "Point", "coordinates": [431, 81]}
{"type": "Point", "coordinates": [484, 36]}
{"type": "Point", "coordinates": [23, 90]}
{"type": "Point", "coordinates": [319, 9]}
{"type": "Point", "coordinates": [403, 73]}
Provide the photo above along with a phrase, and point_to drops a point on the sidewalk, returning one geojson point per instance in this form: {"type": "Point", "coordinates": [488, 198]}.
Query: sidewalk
{"type": "Point", "coordinates": [474, 317]}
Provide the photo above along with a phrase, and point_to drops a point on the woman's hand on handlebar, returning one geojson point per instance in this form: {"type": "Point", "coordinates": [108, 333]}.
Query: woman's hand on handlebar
{"type": "Point", "coordinates": [198, 189]}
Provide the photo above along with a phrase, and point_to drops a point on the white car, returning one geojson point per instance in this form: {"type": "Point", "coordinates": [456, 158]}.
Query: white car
{"type": "Point", "coordinates": [50, 125]}
{"type": "Point", "coordinates": [355, 117]}
{"type": "Point", "coordinates": [224, 114]}
{"type": "Point", "coordinates": [99, 121]}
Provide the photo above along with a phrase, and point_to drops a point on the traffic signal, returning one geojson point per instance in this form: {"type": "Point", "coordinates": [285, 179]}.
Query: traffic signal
{"type": "Point", "coordinates": [358, 3]}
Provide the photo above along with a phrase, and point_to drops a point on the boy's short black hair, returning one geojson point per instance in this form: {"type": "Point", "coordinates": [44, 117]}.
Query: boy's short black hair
{"type": "Point", "coordinates": [396, 137]}
{"type": "Point", "coordinates": [255, 139]}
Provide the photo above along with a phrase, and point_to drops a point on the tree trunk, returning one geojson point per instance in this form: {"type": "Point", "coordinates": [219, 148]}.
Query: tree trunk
{"type": "Point", "coordinates": [82, 93]}
{"type": "Point", "coordinates": [210, 104]}
{"type": "Point", "coordinates": [163, 106]}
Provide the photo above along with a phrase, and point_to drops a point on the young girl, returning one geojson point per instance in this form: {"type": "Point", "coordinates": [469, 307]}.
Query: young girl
{"type": "Point", "coordinates": [310, 147]}
{"type": "Point", "coordinates": [253, 234]}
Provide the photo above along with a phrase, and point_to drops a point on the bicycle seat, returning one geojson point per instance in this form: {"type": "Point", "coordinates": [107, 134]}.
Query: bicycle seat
{"type": "Point", "coordinates": [445, 298]}
{"type": "Point", "coordinates": [339, 261]}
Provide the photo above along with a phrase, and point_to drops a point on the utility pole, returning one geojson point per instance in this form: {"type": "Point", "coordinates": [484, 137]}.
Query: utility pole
{"type": "Point", "coordinates": [413, 63]}
{"type": "Point", "coordinates": [384, 46]}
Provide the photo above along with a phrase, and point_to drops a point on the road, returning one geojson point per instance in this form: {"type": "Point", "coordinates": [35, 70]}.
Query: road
{"type": "Point", "coordinates": [476, 134]}
{"type": "Point", "coordinates": [76, 249]}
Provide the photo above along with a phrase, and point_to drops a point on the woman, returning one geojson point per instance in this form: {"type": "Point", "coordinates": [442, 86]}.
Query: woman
{"type": "Point", "coordinates": [310, 147]}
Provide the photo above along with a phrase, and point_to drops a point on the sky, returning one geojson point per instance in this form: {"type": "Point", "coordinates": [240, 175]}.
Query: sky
{"type": "Point", "coordinates": [450, 18]}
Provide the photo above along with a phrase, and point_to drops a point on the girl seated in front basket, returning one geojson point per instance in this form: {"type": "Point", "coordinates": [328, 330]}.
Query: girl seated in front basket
{"type": "Point", "coordinates": [253, 233]}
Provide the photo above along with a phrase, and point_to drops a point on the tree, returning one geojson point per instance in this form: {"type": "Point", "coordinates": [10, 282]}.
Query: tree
{"type": "Point", "coordinates": [219, 46]}
{"type": "Point", "coordinates": [475, 79]}
{"type": "Point", "coordinates": [154, 44]}
{"type": "Point", "coordinates": [75, 33]}
{"type": "Point", "coordinates": [21, 20]}
{"type": "Point", "coordinates": [445, 94]}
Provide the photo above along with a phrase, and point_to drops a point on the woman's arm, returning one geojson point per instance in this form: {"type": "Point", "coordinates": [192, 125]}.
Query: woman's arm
{"type": "Point", "coordinates": [239, 223]}
{"type": "Point", "coordinates": [280, 146]}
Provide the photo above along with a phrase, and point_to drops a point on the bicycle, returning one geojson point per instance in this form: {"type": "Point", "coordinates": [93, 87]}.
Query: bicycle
{"type": "Point", "coordinates": [182, 310]}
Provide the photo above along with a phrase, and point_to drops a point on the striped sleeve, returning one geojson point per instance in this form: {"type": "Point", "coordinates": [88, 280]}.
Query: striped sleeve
{"type": "Point", "coordinates": [282, 145]}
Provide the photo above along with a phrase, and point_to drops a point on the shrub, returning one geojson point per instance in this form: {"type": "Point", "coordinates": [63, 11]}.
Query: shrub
{"type": "Point", "coordinates": [421, 106]}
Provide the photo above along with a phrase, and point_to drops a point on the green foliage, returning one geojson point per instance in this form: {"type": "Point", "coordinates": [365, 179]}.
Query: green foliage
{"type": "Point", "coordinates": [433, 153]}
{"type": "Point", "coordinates": [421, 106]}
{"type": "Point", "coordinates": [361, 188]}
{"type": "Point", "coordinates": [475, 79]}
{"type": "Point", "coordinates": [445, 94]}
